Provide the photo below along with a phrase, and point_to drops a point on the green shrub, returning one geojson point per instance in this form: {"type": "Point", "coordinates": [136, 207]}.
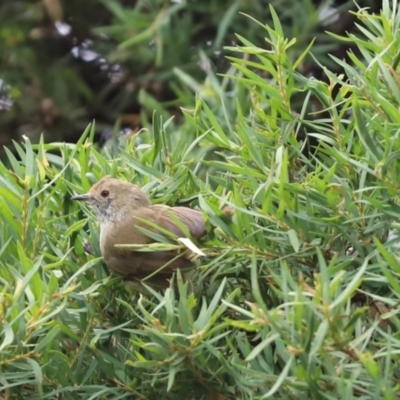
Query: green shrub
{"type": "Point", "coordinates": [297, 295]}
{"type": "Point", "coordinates": [64, 63]}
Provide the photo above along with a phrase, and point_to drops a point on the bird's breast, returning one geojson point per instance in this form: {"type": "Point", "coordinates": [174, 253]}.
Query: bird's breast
{"type": "Point", "coordinates": [106, 230]}
{"type": "Point", "coordinates": [130, 263]}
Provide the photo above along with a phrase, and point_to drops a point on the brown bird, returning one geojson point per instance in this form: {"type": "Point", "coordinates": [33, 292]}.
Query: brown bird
{"type": "Point", "coordinates": [121, 207]}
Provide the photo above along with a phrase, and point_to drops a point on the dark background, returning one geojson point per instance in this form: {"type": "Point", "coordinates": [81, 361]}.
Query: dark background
{"type": "Point", "coordinates": [66, 63]}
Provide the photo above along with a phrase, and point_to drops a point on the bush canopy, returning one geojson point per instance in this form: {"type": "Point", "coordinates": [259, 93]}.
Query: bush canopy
{"type": "Point", "coordinates": [297, 294]}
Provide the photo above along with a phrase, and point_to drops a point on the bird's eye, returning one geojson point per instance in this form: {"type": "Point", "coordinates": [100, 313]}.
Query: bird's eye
{"type": "Point", "coordinates": [105, 193]}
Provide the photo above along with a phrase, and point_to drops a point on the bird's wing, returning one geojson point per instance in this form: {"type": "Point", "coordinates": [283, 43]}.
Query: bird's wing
{"type": "Point", "coordinates": [192, 219]}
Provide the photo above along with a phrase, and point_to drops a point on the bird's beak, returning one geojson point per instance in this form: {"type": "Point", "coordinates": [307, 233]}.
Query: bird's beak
{"type": "Point", "coordinates": [81, 197]}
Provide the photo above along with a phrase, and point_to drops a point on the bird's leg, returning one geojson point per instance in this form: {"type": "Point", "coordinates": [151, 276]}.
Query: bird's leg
{"type": "Point", "coordinates": [87, 247]}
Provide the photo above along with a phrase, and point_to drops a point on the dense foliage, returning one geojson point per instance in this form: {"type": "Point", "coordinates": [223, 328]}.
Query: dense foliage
{"type": "Point", "coordinates": [297, 294]}
{"type": "Point", "coordinates": [66, 63]}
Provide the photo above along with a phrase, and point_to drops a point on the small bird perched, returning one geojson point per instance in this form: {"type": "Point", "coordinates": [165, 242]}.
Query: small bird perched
{"type": "Point", "coordinates": [121, 208]}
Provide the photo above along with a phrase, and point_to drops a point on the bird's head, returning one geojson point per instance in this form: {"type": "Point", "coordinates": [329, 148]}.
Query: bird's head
{"type": "Point", "coordinates": [113, 199]}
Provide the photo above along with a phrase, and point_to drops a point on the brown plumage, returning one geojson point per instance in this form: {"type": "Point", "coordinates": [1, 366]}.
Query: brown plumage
{"type": "Point", "coordinates": [118, 205]}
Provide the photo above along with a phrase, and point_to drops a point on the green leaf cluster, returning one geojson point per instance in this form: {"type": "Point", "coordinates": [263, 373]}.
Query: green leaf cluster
{"type": "Point", "coordinates": [297, 294]}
